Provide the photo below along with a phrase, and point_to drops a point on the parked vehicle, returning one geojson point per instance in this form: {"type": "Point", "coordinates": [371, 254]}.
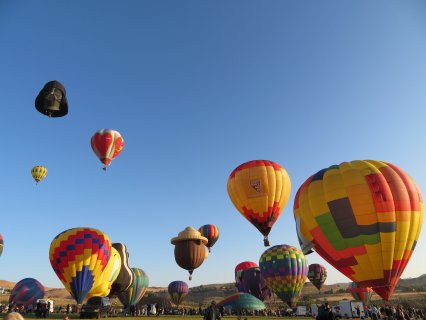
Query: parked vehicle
{"type": "Point", "coordinates": [300, 311]}
{"type": "Point", "coordinates": [351, 309]}
{"type": "Point", "coordinates": [96, 307]}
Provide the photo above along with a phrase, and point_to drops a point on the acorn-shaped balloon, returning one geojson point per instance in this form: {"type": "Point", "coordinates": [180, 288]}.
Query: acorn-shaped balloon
{"type": "Point", "coordinates": [190, 249]}
{"type": "Point", "coordinates": [52, 100]}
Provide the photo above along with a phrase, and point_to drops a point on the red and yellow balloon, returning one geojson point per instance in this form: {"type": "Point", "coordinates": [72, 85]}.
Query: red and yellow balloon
{"type": "Point", "coordinates": [364, 218]}
{"type": "Point", "coordinates": [260, 189]}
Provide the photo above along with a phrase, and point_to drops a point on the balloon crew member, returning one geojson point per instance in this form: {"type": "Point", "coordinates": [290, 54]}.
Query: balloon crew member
{"type": "Point", "coordinates": [212, 313]}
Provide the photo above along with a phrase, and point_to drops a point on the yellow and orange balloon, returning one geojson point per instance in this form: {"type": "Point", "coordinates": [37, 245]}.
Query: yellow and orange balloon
{"type": "Point", "coordinates": [364, 218]}
{"type": "Point", "coordinates": [79, 257]}
{"type": "Point", "coordinates": [260, 189]}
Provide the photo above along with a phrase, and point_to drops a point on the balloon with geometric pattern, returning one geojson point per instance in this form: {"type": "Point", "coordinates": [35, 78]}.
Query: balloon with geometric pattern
{"type": "Point", "coordinates": [360, 294]}
{"type": "Point", "coordinates": [285, 269]}
{"type": "Point", "coordinates": [38, 173]}
{"type": "Point", "coordinates": [26, 292]}
{"type": "Point", "coordinates": [103, 286]}
{"type": "Point", "coordinates": [259, 190]}
{"type": "Point", "coordinates": [178, 290]}
{"type": "Point", "coordinates": [134, 294]}
{"type": "Point", "coordinates": [107, 145]}
{"type": "Point", "coordinates": [79, 256]}
{"type": "Point", "coordinates": [317, 274]}
{"type": "Point", "coordinates": [211, 232]}
{"type": "Point", "coordinates": [364, 218]}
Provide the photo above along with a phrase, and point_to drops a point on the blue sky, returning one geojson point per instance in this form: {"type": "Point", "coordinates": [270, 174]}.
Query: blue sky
{"type": "Point", "coordinates": [197, 88]}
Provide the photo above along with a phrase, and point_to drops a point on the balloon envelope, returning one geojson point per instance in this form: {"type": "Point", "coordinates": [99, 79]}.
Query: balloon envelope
{"type": "Point", "coordinates": [239, 273]}
{"type": "Point", "coordinates": [38, 173]}
{"type": "Point", "coordinates": [254, 283]}
{"type": "Point", "coordinates": [285, 269]}
{"type": "Point", "coordinates": [360, 294]}
{"type": "Point", "coordinates": [260, 190]}
{"type": "Point", "coordinates": [107, 144]}
{"type": "Point", "coordinates": [52, 100]}
{"type": "Point", "coordinates": [364, 218]}
{"type": "Point", "coordinates": [134, 294]}
{"type": "Point", "coordinates": [178, 290]}
{"type": "Point", "coordinates": [190, 250]}
{"type": "Point", "coordinates": [242, 301]}
{"type": "Point", "coordinates": [317, 274]}
{"type": "Point", "coordinates": [211, 232]}
{"type": "Point", "coordinates": [1, 244]}
{"type": "Point", "coordinates": [79, 256]}
{"type": "Point", "coordinates": [125, 276]}
{"type": "Point", "coordinates": [26, 292]}
{"type": "Point", "coordinates": [102, 287]}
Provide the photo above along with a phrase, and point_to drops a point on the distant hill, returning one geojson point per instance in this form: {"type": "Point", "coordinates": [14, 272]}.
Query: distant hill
{"type": "Point", "coordinates": [203, 294]}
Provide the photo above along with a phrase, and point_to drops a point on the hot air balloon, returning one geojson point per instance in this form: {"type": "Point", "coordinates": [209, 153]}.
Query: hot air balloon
{"type": "Point", "coordinates": [260, 189]}
{"type": "Point", "coordinates": [103, 286]}
{"type": "Point", "coordinates": [52, 100]}
{"type": "Point", "coordinates": [26, 292]}
{"type": "Point", "coordinates": [211, 232]}
{"type": "Point", "coordinates": [317, 274]}
{"type": "Point", "coordinates": [364, 218]}
{"type": "Point", "coordinates": [79, 256]}
{"type": "Point", "coordinates": [178, 290]}
{"type": "Point", "coordinates": [285, 269]}
{"type": "Point", "coordinates": [134, 294]}
{"type": "Point", "coordinates": [125, 277]}
{"type": "Point", "coordinates": [254, 283]}
{"type": "Point", "coordinates": [1, 244]}
{"type": "Point", "coordinates": [360, 294]}
{"type": "Point", "coordinates": [189, 249]}
{"type": "Point", "coordinates": [107, 145]}
{"type": "Point", "coordinates": [242, 301]}
{"type": "Point", "coordinates": [239, 273]}
{"type": "Point", "coordinates": [38, 173]}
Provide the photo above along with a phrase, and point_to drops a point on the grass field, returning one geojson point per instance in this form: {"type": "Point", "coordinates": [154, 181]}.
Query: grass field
{"type": "Point", "coordinates": [57, 316]}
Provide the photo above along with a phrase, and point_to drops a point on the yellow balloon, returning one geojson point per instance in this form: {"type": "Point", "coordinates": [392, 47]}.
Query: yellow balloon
{"type": "Point", "coordinates": [102, 286]}
{"type": "Point", "coordinates": [79, 256]}
{"type": "Point", "coordinates": [38, 173]}
{"type": "Point", "coordinates": [259, 190]}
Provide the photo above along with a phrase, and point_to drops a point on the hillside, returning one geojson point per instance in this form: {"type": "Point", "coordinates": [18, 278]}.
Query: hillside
{"type": "Point", "coordinates": [202, 295]}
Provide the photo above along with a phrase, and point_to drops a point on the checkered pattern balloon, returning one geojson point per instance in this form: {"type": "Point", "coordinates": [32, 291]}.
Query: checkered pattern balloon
{"type": "Point", "coordinates": [285, 269]}
{"type": "Point", "coordinates": [362, 217]}
{"type": "Point", "coordinates": [79, 256]}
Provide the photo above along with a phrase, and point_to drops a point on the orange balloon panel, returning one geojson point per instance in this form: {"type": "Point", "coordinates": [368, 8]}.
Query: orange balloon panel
{"type": "Point", "coordinates": [364, 218]}
{"type": "Point", "coordinates": [260, 190]}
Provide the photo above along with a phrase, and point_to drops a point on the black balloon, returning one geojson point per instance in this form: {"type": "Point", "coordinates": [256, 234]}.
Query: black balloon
{"type": "Point", "coordinates": [126, 276]}
{"type": "Point", "coordinates": [52, 100]}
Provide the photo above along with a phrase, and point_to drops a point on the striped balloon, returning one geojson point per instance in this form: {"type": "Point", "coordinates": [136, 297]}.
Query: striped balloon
{"type": "Point", "coordinates": [79, 256]}
{"type": "Point", "coordinates": [26, 292]}
{"type": "Point", "coordinates": [1, 244]}
{"type": "Point", "coordinates": [178, 290]}
{"type": "Point", "coordinates": [211, 232]}
{"type": "Point", "coordinates": [134, 294]}
{"type": "Point", "coordinates": [285, 269]}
